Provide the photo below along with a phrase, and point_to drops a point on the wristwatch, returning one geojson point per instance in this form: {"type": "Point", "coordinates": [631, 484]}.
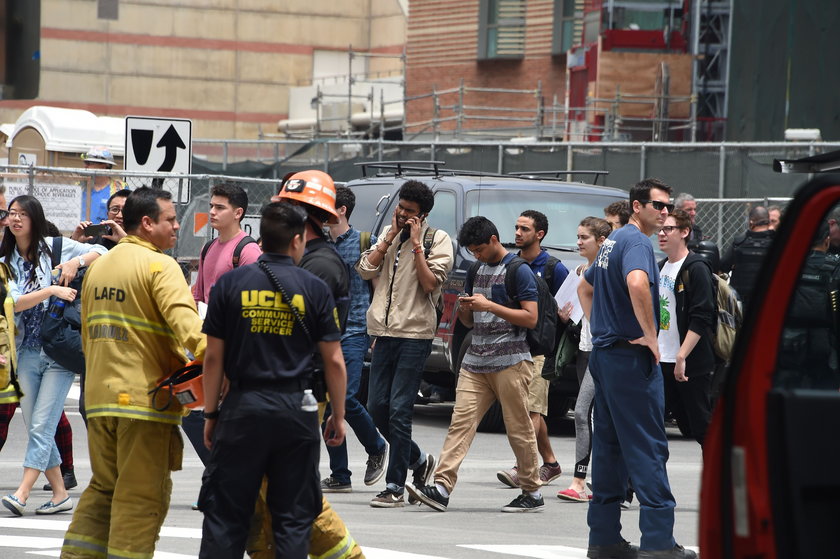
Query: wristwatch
{"type": "Point", "coordinates": [210, 414]}
{"type": "Point", "coordinates": [81, 261]}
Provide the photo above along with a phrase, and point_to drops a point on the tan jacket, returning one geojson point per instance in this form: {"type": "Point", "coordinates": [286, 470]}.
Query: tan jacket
{"type": "Point", "coordinates": [400, 308]}
{"type": "Point", "coordinates": [138, 315]}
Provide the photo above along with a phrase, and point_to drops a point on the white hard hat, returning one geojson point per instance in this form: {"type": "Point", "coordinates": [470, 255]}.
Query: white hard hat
{"type": "Point", "coordinates": [99, 155]}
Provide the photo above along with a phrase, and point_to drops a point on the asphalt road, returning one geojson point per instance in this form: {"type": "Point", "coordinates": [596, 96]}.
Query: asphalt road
{"type": "Point", "coordinates": [472, 528]}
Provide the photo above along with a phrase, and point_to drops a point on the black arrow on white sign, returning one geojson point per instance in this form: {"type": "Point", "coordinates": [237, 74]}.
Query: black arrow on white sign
{"type": "Point", "coordinates": [172, 142]}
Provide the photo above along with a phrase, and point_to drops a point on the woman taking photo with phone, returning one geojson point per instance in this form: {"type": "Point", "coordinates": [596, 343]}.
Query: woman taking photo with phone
{"type": "Point", "coordinates": [27, 250]}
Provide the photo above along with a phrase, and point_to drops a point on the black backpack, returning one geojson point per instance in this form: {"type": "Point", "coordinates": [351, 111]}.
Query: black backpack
{"type": "Point", "coordinates": [542, 338]}
{"type": "Point", "coordinates": [237, 251]}
{"type": "Point", "coordinates": [61, 330]}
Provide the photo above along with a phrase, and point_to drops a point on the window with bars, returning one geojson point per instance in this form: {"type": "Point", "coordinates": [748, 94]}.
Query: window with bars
{"type": "Point", "coordinates": [501, 29]}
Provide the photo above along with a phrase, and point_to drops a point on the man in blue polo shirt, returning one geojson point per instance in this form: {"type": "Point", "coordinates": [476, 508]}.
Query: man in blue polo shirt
{"type": "Point", "coordinates": [264, 322]}
{"type": "Point", "coordinates": [620, 296]}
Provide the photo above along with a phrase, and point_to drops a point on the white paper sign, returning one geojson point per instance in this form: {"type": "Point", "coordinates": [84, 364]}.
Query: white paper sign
{"type": "Point", "coordinates": [568, 294]}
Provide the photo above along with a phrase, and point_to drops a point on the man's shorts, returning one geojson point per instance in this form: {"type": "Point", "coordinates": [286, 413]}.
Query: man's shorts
{"type": "Point", "coordinates": [538, 388]}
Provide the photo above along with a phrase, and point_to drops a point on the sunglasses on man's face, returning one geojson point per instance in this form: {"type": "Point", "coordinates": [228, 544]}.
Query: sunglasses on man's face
{"type": "Point", "coordinates": [659, 206]}
{"type": "Point", "coordinates": [4, 214]}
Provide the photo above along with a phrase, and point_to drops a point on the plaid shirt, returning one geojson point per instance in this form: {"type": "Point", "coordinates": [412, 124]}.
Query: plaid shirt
{"type": "Point", "coordinates": [348, 246]}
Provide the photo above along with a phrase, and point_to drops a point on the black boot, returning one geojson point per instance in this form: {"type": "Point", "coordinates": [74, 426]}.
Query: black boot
{"type": "Point", "coordinates": [69, 477]}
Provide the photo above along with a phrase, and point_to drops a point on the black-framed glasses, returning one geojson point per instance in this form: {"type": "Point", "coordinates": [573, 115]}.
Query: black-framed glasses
{"type": "Point", "coordinates": [115, 209]}
{"type": "Point", "coordinates": [4, 214]}
{"type": "Point", "coordinates": [659, 206]}
{"type": "Point", "coordinates": [667, 229]}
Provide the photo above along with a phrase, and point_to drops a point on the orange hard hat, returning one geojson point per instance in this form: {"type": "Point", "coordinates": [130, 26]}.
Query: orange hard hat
{"type": "Point", "coordinates": [185, 384]}
{"type": "Point", "coordinates": [315, 188]}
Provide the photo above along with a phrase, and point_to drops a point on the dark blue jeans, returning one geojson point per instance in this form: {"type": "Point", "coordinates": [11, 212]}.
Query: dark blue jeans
{"type": "Point", "coordinates": [628, 437]}
{"type": "Point", "coordinates": [354, 347]}
{"type": "Point", "coordinates": [395, 372]}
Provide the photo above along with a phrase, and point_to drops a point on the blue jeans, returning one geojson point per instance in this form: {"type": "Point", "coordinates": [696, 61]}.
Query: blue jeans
{"type": "Point", "coordinates": [396, 369]}
{"type": "Point", "coordinates": [354, 347]}
{"type": "Point", "coordinates": [628, 438]}
{"type": "Point", "coordinates": [45, 385]}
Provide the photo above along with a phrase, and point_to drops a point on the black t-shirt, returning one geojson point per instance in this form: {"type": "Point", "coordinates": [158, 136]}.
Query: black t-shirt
{"type": "Point", "coordinates": [324, 261]}
{"type": "Point", "coordinates": [263, 339]}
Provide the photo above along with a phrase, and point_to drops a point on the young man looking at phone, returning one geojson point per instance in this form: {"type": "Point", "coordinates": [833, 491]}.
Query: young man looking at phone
{"type": "Point", "coordinates": [403, 318]}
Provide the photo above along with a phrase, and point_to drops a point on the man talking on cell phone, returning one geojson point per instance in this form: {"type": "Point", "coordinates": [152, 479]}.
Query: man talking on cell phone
{"type": "Point", "coordinates": [411, 260]}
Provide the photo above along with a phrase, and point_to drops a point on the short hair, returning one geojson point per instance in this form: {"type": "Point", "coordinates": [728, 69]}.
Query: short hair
{"type": "Point", "coordinates": [776, 208]}
{"type": "Point", "coordinates": [345, 197]}
{"type": "Point", "coordinates": [236, 195]}
{"type": "Point", "coordinates": [124, 193]}
{"type": "Point", "coordinates": [682, 219]}
{"type": "Point", "coordinates": [597, 226]}
{"type": "Point", "coordinates": [279, 224]}
{"type": "Point", "coordinates": [682, 198]}
{"type": "Point", "coordinates": [416, 191]}
{"type": "Point", "coordinates": [621, 209]}
{"type": "Point", "coordinates": [641, 190]}
{"type": "Point", "coordinates": [476, 231]}
{"type": "Point", "coordinates": [141, 203]}
{"type": "Point", "coordinates": [759, 216]}
{"type": "Point", "coordinates": [52, 229]}
{"type": "Point", "coordinates": [540, 221]}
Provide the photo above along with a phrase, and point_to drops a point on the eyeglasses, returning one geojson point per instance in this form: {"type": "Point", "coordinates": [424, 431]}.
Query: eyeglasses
{"type": "Point", "coordinates": [115, 209]}
{"type": "Point", "coordinates": [667, 229]}
{"type": "Point", "coordinates": [3, 214]}
{"type": "Point", "coordinates": [21, 215]}
{"type": "Point", "coordinates": [659, 206]}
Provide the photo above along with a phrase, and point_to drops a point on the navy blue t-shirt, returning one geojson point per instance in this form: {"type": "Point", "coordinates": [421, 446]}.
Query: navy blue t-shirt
{"type": "Point", "coordinates": [560, 270]}
{"type": "Point", "coordinates": [264, 341]}
{"type": "Point", "coordinates": [613, 319]}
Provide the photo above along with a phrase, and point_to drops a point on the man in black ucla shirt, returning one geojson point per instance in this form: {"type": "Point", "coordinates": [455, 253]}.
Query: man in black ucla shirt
{"type": "Point", "coordinates": [257, 341]}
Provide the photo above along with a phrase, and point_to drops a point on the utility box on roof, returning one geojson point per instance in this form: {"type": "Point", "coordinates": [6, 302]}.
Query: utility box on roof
{"type": "Point", "coordinates": [57, 137]}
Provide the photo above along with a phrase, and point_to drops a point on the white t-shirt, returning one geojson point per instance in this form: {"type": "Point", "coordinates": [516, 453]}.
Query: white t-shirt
{"type": "Point", "coordinates": [669, 335]}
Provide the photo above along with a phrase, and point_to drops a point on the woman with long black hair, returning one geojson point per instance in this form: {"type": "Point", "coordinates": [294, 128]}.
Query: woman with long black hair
{"type": "Point", "coordinates": [27, 250]}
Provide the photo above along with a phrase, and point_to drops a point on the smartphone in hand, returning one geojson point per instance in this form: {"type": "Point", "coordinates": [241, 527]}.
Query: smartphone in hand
{"type": "Point", "coordinates": [96, 230]}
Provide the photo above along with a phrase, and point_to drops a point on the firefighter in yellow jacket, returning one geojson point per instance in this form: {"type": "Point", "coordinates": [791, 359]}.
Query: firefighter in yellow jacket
{"type": "Point", "coordinates": [138, 315]}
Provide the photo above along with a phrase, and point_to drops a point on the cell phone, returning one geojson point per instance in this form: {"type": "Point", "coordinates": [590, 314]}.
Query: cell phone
{"type": "Point", "coordinates": [96, 230]}
{"type": "Point", "coordinates": [463, 294]}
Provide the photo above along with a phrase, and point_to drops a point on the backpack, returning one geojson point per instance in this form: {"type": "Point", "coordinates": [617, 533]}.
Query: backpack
{"type": "Point", "coordinates": [728, 317]}
{"type": "Point", "coordinates": [237, 251]}
{"type": "Point", "coordinates": [541, 339]}
{"type": "Point", "coordinates": [61, 330]}
{"type": "Point", "coordinates": [428, 240]}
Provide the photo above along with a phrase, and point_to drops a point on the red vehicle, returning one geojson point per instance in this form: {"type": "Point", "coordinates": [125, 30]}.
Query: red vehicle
{"type": "Point", "coordinates": [771, 478]}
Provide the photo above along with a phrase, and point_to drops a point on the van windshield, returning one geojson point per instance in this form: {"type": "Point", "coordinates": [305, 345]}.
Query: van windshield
{"type": "Point", "coordinates": [563, 210]}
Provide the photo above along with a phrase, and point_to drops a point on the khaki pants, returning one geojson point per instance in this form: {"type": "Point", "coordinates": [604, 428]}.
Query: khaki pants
{"type": "Point", "coordinates": [123, 508]}
{"type": "Point", "coordinates": [538, 389]}
{"type": "Point", "coordinates": [475, 394]}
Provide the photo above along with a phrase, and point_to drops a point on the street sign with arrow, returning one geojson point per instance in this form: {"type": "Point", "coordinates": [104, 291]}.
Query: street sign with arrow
{"type": "Point", "coordinates": [160, 145]}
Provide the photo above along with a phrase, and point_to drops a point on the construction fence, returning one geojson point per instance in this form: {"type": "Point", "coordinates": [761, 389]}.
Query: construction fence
{"type": "Point", "coordinates": [63, 192]}
{"type": "Point", "coordinates": [706, 170]}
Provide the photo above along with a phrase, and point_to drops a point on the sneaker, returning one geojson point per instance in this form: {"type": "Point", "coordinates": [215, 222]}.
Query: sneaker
{"type": "Point", "coordinates": [621, 550]}
{"type": "Point", "coordinates": [52, 508]}
{"type": "Point", "coordinates": [429, 496]}
{"type": "Point", "coordinates": [13, 504]}
{"type": "Point", "coordinates": [677, 552]}
{"type": "Point", "coordinates": [376, 466]}
{"type": "Point", "coordinates": [69, 478]}
{"type": "Point", "coordinates": [421, 475]}
{"type": "Point", "coordinates": [549, 473]}
{"type": "Point", "coordinates": [332, 485]}
{"type": "Point", "coordinates": [576, 496]}
{"type": "Point", "coordinates": [509, 477]}
{"type": "Point", "coordinates": [525, 503]}
{"type": "Point", "coordinates": [387, 500]}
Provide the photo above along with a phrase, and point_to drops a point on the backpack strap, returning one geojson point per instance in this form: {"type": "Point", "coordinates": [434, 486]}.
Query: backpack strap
{"type": "Point", "coordinates": [55, 257]}
{"type": "Point", "coordinates": [428, 239]}
{"type": "Point", "coordinates": [205, 248]}
{"type": "Point", "coordinates": [471, 272]}
{"type": "Point", "coordinates": [510, 276]}
{"type": "Point", "coordinates": [548, 271]}
{"type": "Point", "coordinates": [240, 246]}
{"type": "Point", "coordinates": [364, 241]}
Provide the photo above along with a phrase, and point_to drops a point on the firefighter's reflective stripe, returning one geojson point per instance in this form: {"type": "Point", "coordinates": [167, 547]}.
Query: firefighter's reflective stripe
{"type": "Point", "coordinates": [83, 545]}
{"type": "Point", "coordinates": [342, 550]}
{"type": "Point", "coordinates": [9, 395]}
{"type": "Point", "coordinates": [134, 412]}
{"type": "Point", "coordinates": [120, 554]}
{"type": "Point", "coordinates": [129, 322]}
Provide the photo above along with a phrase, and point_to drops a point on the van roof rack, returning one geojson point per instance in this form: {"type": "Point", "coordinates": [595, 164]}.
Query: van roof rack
{"type": "Point", "coordinates": [401, 167]}
{"type": "Point", "coordinates": [556, 174]}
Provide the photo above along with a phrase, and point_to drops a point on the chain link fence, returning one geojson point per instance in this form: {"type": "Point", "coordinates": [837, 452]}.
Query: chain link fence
{"type": "Point", "coordinates": [64, 194]}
